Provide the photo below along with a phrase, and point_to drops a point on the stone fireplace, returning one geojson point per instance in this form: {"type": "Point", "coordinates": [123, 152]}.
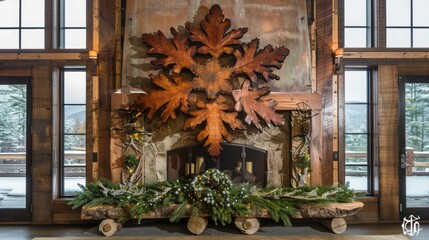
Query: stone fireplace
{"type": "Point", "coordinates": [243, 163]}
{"type": "Point", "coordinates": [268, 151]}
{"type": "Point", "coordinates": [170, 151]}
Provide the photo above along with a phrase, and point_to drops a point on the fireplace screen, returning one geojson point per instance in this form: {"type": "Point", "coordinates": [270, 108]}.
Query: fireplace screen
{"type": "Point", "coordinates": [243, 163]}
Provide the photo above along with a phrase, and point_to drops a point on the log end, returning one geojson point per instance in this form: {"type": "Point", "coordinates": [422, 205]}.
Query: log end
{"type": "Point", "coordinates": [336, 225]}
{"type": "Point", "coordinates": [247, 226]}
{"type": "Point", "coordinates": [197, 225]}
{"type": "Point", "coordinates": [109, 227]}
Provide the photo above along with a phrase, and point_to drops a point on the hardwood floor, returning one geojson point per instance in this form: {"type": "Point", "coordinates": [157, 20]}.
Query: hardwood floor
{"type": "Point", "coordinates": [164, 228]}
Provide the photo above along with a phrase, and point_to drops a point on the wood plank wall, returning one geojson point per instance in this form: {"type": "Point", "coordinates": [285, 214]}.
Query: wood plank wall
{"type": "Point", "coordinates": [324, 72]}
{"type": "Point", "coordinates": [42, 145]}
{"type": "Point", "coordinates": [107, 42]}
{"type": "Point", "coordinates": [388, 142]}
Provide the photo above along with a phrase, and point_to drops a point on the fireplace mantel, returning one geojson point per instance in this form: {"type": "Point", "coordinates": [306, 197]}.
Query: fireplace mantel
{"type": "Point", "coordinates": [286, 102]}
{"type": "Point", "coordinates": [290, 101]}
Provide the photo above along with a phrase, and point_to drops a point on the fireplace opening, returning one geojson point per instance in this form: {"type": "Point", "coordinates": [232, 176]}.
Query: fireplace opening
{"type": "Point", "coordinates": [242, 162]}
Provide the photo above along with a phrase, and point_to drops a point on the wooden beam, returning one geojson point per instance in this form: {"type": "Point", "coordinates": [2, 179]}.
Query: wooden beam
{"type": "Point", "coordinates": [44, 56]}
{"type": "Point", "coordinates": [385, 54]}
{"type": "Point", "coordinates": [42, 145]}
{"type": "Point", "coordinates": [22, 72]}
{"type": "Point", "coordinates": [387, 113]}
{"type": "Point", "coordinates": [290, 101]}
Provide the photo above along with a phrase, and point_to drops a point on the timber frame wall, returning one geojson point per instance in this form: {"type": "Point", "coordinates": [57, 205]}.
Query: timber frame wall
{"type": "Point", "coordinates": [40, 66]}
{"type": "Point", "coordinates": [107, 28]}
{"type": "Point", "coordinates": [389, 63]}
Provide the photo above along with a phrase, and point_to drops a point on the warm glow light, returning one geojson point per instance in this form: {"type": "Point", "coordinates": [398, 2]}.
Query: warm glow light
{"type": "Point", "coordinates": [339, 52]}
{"type": "Point", "coordinates": [92, 54]}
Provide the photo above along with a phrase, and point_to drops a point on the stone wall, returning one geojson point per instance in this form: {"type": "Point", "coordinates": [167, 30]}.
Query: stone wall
{"type": "Point", "coordinates": [276, 141]}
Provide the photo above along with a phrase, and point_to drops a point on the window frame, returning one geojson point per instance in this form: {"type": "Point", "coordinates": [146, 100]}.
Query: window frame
{"type": "Point", "coordinates": [411, 27]}
{"type": "Point", "coordinates": [370, 27]}
{"type": "Point", "coordinates": [20, 28]}
{"type": "Point", "coordinates": [52, 29]}
{"type": "Point", "coordinates": [62, 134]}
{"type": "Point", "coordinates": [370, 122]}
{"type": "Point", "coordinates": [62, 28]}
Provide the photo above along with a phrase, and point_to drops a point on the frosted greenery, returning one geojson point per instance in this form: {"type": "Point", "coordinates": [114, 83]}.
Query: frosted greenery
{"type": "Point", "coordinates": [210, 193]}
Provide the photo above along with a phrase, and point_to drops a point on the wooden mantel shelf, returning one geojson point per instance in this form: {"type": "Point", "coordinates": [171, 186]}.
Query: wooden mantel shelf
{"type": "Point", "coordinates": [285, 101]}
{"type": "Point", "coordinates": [290, 101]}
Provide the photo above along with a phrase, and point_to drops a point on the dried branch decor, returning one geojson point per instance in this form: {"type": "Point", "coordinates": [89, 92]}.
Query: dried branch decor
{"type": "Point", "coordinates": [225, 78]}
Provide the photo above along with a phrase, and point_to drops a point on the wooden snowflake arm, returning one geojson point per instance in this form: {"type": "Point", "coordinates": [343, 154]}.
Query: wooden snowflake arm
{"type": "Point", "coordinates": [248, 100]}
{"type": "Point", "coordinates": [213, 78]}
{"type": "Point", "coordinates": [173, 51]}
{"type": "Point", "coordinates": [215, 131]}
{"type": "Point", "coordinates": [213, 33]}
{"type": "Point", "coordinates": [250, 61]}
{"type": "Point", "coordinates": [171, 94]}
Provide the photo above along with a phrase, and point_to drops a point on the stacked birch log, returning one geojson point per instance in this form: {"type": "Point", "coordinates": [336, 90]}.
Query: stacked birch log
{"type": "Point", "coordinates": [331, 215]}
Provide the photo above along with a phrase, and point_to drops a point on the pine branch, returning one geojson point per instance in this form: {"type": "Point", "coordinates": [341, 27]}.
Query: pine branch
{"type": "Point", "coordinates": [178, 212]}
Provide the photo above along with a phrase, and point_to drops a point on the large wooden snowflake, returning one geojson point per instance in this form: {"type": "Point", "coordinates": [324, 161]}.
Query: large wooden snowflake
{"type": "Point", "coordinates": [216, 60]}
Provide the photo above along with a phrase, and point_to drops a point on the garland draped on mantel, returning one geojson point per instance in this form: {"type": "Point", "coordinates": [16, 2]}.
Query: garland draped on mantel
{"type": "Point", "coordinates": [211, 193]}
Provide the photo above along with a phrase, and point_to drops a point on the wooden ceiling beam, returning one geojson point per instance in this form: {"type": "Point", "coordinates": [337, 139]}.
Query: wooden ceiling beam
{"type": "Point", "coordinates": [385, 55]}
{"type": "Point", "coordinates": [44, 56]}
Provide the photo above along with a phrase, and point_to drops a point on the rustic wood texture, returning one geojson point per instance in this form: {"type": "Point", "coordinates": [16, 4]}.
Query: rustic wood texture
{"type": "Point", "coordinates": [42, 145]}
{"type": "Point", "coordinates": [93, 95]}
{"type": "Point", "coordinates": [369, 212]}
{"type": "Point", "coordinates": [341, 129]}
{"type": "Point", "coordinates": [330, 210]}
{"type": "Point", "coordinates": [281, 16]}
{"type": "Point", "coordinates": [324, 72]}
{"type": "Point", "coordinates": [22, 72]}
{"type": "Point", "coordinates": [109, 227]}
{"type": "Point", "coordinates": [197, 225]}
{"type": "Point", "coordinates": [62, 213]}
{"type": "Point", "coordinates": [44, 56]}
{"type": "Point", "coordinates": [316, 148]}
{"type": "Point", "coordinates": [108, 11]}
{"type": "Point", "coordinates": [212, 73]}
{"type": "Point", "coordinates": [336, 225]}
{"type": "Point", "coordinates": [415, 69]}
{"type": "Point", "coordinates": [101, 212]}
{"type": "Point", "coordinates": [118, 101]}
{"type": "Point", "coordinates": [247, 226]}
{"type": "Point", "coordinates": [388, 142]}
{"type": "Point", "coordinates": [290, 101]}
{"type": "Point", "coordinates": [92, 127]}
{"type": "Point", "coordinates": [386, 54]}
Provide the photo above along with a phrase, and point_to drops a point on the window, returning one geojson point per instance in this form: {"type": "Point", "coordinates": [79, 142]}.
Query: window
{"type": "Point", "coordinates": [358, 129]}
{"type": "Point", "coordinates": [73, 24]}
{"type": "Point", "coordinates": [22, 24]}
{"type": "Point", "coordinates": [357, 23]}
{"type": "Point", "coordinates": [407, 23]}
{"type": "Point", "coordinates": [73, 130]}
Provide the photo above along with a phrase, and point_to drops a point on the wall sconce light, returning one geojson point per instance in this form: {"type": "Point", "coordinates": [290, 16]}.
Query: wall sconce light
{"type": "Point", "coordinates": [93, 56]}
{"type": "Point", "coordinates": [338, 58]}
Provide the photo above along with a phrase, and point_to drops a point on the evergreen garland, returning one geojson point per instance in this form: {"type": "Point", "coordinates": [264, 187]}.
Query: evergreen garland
{"type": "Point", "coordinates": [211, 193]}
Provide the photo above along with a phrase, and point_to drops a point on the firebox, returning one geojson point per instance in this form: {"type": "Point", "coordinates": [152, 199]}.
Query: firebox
{"type": "Point", "coordinates": [242, 162]}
